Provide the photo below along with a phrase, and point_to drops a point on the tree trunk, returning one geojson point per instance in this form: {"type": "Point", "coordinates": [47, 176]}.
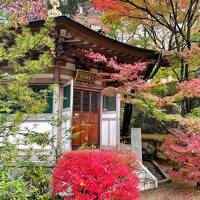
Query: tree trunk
{"type": "Point", "coordinates": [198, 186]}
{"type": "Point", "coordinates": [127, 119]}
{"type": "Point", "coordinates": [185, 107]}
{"type": "Point", "coordinates": [186, 103]}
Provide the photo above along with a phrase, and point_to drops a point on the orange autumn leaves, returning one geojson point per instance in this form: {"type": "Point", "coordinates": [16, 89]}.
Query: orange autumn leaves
{"type": "Point", "coordinates": [117, 9]}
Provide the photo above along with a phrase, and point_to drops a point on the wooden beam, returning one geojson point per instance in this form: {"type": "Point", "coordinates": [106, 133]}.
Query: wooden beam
{"type": "Point", "coordinates": [56, 75]}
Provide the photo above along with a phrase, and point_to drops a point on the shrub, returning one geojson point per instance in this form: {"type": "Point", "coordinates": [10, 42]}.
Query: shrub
{"type": "Point", "coordinates": [25, 182]}
{"type": "Point", "coordinates": [12, 187]}
{"type": "Point", "coordinates": [38, 181]}
{"type": "Point", "coordinates": [95, 175]}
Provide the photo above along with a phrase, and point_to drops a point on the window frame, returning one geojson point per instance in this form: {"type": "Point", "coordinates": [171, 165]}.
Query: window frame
{"type": "Point", "coordinates": [66, 102]}
{"type": "Point", "coordinates": [105, 107]}
{"type": "Point", "coordinates": [43, 87]}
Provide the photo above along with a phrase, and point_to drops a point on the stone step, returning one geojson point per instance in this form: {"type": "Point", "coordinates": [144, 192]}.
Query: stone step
{"type": "Point", "coordinates": [146, 184]}
{"type": "Point", "coordinates": [141, 173]}
{"type": "Point", "coordinates": [147, 179]}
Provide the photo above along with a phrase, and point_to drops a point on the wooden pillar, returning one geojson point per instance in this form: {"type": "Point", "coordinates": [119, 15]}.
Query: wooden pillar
{"type": "Point", "coordinates": [57, 110]}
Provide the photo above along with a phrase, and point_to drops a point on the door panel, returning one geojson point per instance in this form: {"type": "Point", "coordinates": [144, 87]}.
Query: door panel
{"type": "Point", "coordinates": [85, 101]}
{"type": "Point", "coordinates": [86, 117]}
{"type": "Point", "coordinates": [77, 101]}
{"type": "Point", "coordinates": [77, 117]}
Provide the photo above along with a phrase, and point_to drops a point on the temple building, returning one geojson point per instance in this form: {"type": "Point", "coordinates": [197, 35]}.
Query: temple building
{"type": "Point", "coordinates": [77, 91]}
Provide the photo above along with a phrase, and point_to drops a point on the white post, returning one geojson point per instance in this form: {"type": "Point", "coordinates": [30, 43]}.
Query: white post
{"type": "Point", "coordinates": [67, 125]}
{"type": "Point", "coordinates": [136, 142]}
{"type": "Point", "coordinates": [118, 121]}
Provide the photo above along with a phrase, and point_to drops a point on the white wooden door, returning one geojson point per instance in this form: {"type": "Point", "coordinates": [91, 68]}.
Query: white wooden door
{"type": "Point", "coordinates": [110, 126]}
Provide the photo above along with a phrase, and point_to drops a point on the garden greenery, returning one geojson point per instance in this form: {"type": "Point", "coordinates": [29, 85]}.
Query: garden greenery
{"type": "Point", "coordinates": [20, 178]}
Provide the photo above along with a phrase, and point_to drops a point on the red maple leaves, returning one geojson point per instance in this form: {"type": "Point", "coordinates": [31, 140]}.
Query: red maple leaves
{"type": "Point", "coordinates": [119, 77]}
{"type": "Point", "coordinates": [184, 150]}
{"type": "Point", "coordinates": [107, 5]}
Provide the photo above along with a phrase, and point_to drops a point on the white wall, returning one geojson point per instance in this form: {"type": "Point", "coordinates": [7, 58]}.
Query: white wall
{"type": "Point", "coordinates": [38, 124]}
{"type": "Point", "coordinates": [42, 123]}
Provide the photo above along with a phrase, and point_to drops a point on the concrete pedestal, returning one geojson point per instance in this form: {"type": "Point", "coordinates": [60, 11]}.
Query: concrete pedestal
{"type": "Point", "coordinates": [136, 142]}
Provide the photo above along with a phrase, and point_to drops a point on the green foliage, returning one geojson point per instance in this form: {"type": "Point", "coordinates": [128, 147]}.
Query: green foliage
{"type": "Point", "coordinates": [195, 37]}
{"type": "Point", "coordinates": [148, 123]}
{"type": "Point", "coordinates": [195, 113]}
{"type": "Point", "coordinates": [163, 90]}
{"type": "Point", "coordinates": [85, 146]}
{"type": "Point", "coordinates": [71, 7]}
{"type": "Point", "coordinates": [27, 181]}
{"type": "Point", "coordinates": [164, 73]}
{"type": "Point", "coordinates": [150, 107]}
{"type": "Point", "coordinates": [130, 32]}
{"type": "Point", "coordinates": [23, 54]}
{"type": "Point", "coordinates": [157, 109]}
{"type": "Point", "coordinates": [12, 188]}
{"type": "Point", "coordinates": [38, 181]}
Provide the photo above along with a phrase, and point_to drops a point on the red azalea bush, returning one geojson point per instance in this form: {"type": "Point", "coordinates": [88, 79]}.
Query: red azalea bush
{"type": "Point", "coordinates": [96, 175]}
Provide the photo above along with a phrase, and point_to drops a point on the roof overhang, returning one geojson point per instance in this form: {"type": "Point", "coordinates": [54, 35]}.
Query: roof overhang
{"type": "Point", "coordinates": [76, 36]}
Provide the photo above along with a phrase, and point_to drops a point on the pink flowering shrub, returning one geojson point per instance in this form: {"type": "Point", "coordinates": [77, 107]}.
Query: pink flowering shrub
{"type": "Point", "coordinates": [96, 175]}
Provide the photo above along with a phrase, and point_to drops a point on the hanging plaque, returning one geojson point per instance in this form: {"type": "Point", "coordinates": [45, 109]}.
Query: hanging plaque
{"type": "Point", "coordinates": [85, 77]}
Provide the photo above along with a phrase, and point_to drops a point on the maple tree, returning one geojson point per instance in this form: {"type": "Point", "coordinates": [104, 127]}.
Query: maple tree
{"type": "Point", "coordinates": [96, 175]}
{"type": "Point", "coordinates": [119, 77]}
{"type": "Point", "coordinates": [183, 151]}
{"type": "Point", "coordinates": [172, 20]}
{"type": "Point", "coordinates": [155, 98]}
{"type": "Point", "coordinates": [162, 104]}
{"type": "Point", "coordinates": [170, 26]}
{"type": "Point", "coordinates": [23, 11]}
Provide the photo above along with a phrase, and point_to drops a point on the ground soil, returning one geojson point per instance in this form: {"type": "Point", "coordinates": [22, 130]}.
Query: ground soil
{"type": "Point", "coordinates": [171, 191]}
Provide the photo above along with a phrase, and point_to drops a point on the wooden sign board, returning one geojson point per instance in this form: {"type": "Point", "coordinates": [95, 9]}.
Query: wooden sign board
{"type": "Point", "coordinates": [85, 77]}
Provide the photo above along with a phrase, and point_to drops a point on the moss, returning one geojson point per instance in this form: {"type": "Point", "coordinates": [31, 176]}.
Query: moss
{"type": "Point", "coordinates": [155, 136]}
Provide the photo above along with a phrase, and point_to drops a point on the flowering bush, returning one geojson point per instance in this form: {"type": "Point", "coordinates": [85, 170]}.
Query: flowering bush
{"type": "Point", "coordinates": [96, 175]}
